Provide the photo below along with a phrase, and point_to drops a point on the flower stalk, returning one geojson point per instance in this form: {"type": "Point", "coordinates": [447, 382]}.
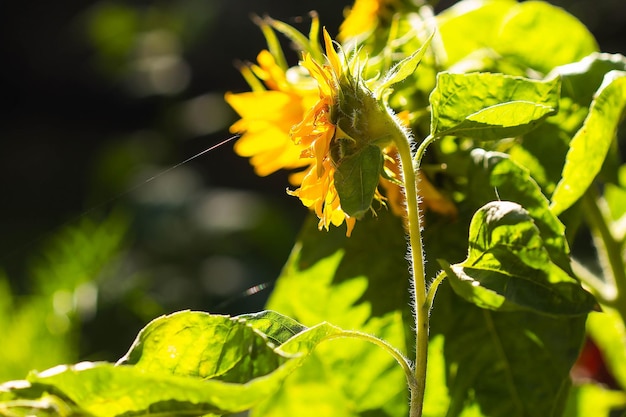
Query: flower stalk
{"type": "Point", "coordinates": [346, 138]}
{"type": "Point", "coordinates": [418, 277]}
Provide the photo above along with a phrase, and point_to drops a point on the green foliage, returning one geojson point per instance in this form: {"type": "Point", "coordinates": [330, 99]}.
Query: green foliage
{"type": "Point", "coordinates": [520, 356]}
{"type": "Point", "coordinates": [331, 277]}
{"type": "Point", "coordinates": [189, 362]}
{"type": "Point", "coordinates": [490, 106]}
{"type": "Point", "coordinates": [591, 143]}
{"type": "Point", "coordinates": [43, 326]}
{"type": "Point", "coordinates": [508, 267]}
{"type": "Point", "coordinates": [520, 123]}
{"type": "Point", "coordinates": [356, 179]}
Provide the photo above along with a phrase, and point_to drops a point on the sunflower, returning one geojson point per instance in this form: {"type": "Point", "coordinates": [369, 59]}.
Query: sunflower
{"type": "Point", "coordinates": [315, 133]}
{"type": "Point", "coordinates": [267, 115]}
{"type": "Point", "coordinates": [322, 119]}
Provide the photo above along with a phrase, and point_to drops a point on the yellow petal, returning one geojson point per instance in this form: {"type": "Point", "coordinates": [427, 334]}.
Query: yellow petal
{"type": "Point", "coordinates": [266, 105]}
{"type": "Point", "coordinates": [331, 54]}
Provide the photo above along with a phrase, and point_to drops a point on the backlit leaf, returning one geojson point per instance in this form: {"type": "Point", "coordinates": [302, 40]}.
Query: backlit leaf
{"type": "Point", "coordinates": [591, 143]}
{"type": "Point", "coordinates": [458, 26]}
{"type": "Point", "coordinates": [490, 106]}
{"type": "Point", "coordinates": [187, 363]}
{"type": "Point", "coordinates": [509, 269]}
{"type": "Point", "coordinates": [607, 331]}
{"type": "Point", "coordinates": [594, 400]}
{"type": "Point", "coordinates": [403, 69]}
{"type": "Point", "coordinates": [358, 283]}
{"type": "Point", "coordinates": [529, 34]}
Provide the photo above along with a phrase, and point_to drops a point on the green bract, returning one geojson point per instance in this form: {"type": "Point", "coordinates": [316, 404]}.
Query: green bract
{"type": "Point", "coordinates": [366, 125]}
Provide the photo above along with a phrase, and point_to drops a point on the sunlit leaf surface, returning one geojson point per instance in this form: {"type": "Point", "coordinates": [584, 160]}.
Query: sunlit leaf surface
{"type": "Point", "coordinates": [490, 106]}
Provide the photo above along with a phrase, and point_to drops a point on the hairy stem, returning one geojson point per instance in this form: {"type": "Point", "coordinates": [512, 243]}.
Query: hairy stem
{"type": "Point", "coordinates": [395, 353]}
{"type": "Point", "coordinates": [418, 284]}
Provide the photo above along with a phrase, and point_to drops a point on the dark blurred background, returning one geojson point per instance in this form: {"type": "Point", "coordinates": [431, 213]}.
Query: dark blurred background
{"type": "Point", "coordinates": [99, 96]}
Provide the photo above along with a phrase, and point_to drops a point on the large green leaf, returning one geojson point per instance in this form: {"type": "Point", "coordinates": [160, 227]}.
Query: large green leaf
{"type": "Point", "coordinates": [520, 35]}
{"type": "Point", "coordinates": [543, 150]}
{"type": "Point", "coordinates": [187, 363]}
{"type": "Point", "coordinates": [358, 283]}
{"type": "Point", "coordinates": [458, 26]}
{"type": "Point", "coordinates": [591, 143]}
{"type": "Point", "coordinates": [490, 106]}
{"type": "Point", "coordinates": [529, 34]}
{"type": "Point", "coordinates": [502, 364]}
{"type": "Point", "coordinates": [494, 176]}
{"type": "Point", "coordinates": [204, 346]}
{"type": "Point", "coordinates": [509, 269]}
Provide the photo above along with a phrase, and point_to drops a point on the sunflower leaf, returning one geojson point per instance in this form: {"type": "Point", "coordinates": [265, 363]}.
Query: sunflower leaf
{"type": "Point", "coordinates": [190, 363]}
{"type": "Point", "coordinates": [591, 143]}
{"type": "Point", "coordinates": [509, 269]}
{"type": "Point", "coordinates": [490, 106]}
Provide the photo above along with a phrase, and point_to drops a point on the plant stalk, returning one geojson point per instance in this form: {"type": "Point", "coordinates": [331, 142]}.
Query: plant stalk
{"type": "Point", "coordinates": [608, 248]}
{"type": "Point", "coordinates": [418, 284]}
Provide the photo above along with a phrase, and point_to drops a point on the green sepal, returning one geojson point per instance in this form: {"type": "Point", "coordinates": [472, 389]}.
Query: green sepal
{"type": "Point", "coordinates": [356, 179]}
{"type": "Point", "coordinates": [403, 69]}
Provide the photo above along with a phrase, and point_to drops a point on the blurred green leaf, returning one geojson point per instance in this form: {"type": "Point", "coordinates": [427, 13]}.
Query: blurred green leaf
{"type": "Point", "coordinates": [581, 79]}
{"type": "Point", "coordinates": [509, 269]}
{"type": "Point", "coordinates": [518, 34]}
{"type": "Point", "coordinates": [615, 195]}
{"type": "Point", "coordinates": [458, 26]}
{"type": "Point", "coordinates": [357, 283]}
{"type": "Point", "coordinates": [490, 106]}
{"type": "Point", "coordinates": [607, 331]}
{"type": "Point", "coordinates": [591, 143]}
{"type": "Point", "coordinates": [594, 400]}
{"type": "Point", "coordinates": [112, 29]}
{"type": "Point", "coordinates": [32, 402]}
{"type": "Point", "coordinates": [527, 33]}
{"type": "Point", "coordinates": [43, 325]}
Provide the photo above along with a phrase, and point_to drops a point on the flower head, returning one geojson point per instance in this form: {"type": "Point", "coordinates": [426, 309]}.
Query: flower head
{"type": "Point", "coordinates": [328, 124]}
{"type": "Point", "coordinates": [315, 133]}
